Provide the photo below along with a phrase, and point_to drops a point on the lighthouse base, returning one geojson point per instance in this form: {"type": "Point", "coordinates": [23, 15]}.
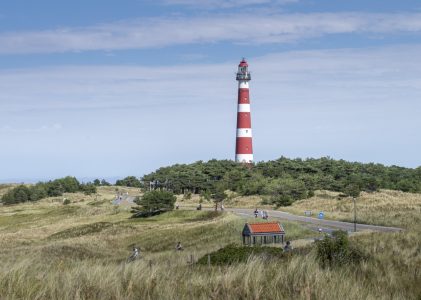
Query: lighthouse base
{"type": "Point", "coordinates": [244, 158]}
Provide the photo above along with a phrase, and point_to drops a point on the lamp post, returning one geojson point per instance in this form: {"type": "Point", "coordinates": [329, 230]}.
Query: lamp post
{"type": "Point", "coordinates": [355, 214]}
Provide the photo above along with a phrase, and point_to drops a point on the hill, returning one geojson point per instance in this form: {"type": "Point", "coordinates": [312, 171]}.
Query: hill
{"type": "Point", "coordinates": [77, 251]}
{"type": "Point", "coordinates": [284, 180]}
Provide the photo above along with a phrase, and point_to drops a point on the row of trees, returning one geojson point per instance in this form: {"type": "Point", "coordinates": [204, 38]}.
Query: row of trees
{"type": "Point", "coordinates": [130, 181]}
{"type": "Point", "coordinates": [284, 180]}
{"type": "Point", "coordinates": [101, 182]}
{"type": "Point", "coordinates": [58, 187]}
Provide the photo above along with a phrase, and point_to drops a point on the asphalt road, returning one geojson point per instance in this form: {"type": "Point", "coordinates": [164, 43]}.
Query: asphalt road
{"type": "Point", "coordinates": [315, 224]}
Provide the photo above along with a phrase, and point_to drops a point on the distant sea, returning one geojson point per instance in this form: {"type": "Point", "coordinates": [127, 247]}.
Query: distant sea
{"type": "Point", "coordinates": [111, 180]}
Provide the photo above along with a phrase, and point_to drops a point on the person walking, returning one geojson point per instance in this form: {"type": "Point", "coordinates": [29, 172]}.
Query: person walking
{"type": "Point", "coordinates": [288, 247]}
{"type": "Point", "coordinates": [135, 255]}
{"type": "Point", "coordinates": [178, 247]}
{"type": "Point", "coordinates": [265, 215]}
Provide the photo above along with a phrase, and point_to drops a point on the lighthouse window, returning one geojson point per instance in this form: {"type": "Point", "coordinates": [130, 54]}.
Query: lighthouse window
{"type": "Point", "coordinates": [247, 131]}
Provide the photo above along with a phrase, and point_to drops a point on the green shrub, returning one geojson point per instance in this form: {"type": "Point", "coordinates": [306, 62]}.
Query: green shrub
{"type": "Point", "coordinates": [233, 254]}
{"type": "Point", "coordinates": [66, 201]}
{"type": "Point", "coordinates": [156, 200]}
{"type": "Point", "coordinates": [88, 188]}
{"type": "Point", "coordinates": [19, 194]}
{"type": "Point", "coordinates": [336, 250]}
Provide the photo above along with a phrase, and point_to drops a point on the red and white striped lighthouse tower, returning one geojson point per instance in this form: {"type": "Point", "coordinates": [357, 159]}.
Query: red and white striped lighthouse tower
{"type": "Point", "coordinates": [244, 145]}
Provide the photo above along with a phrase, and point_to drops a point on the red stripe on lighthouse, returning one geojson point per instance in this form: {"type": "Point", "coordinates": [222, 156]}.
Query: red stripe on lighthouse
{"type": "Point", "coordinates": [243, 96]}
{"type": "Point", "coordinates": [244, 145]}
{"type": "Point", "coordinates": [243, 120]}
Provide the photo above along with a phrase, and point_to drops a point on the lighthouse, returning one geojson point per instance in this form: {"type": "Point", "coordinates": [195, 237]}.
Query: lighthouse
{"type": "Point", "coordinates": [244, 145]}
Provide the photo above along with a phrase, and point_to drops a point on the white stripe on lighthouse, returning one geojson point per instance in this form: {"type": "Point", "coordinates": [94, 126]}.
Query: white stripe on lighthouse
{"type": "Point", "coordinates": [244, 158]}
{"type": "Point", "coordinates": [243, 107]}
{"type": "Point", "coordinates": [244, 132]}
{"type": "Point", "coordinates": [243, 84]}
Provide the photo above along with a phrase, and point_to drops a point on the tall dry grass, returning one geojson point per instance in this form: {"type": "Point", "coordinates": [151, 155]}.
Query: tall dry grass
{"type": "Point", "coordinates": [390, 208]}
{"type": "Point", "coordinates": [171, 278]}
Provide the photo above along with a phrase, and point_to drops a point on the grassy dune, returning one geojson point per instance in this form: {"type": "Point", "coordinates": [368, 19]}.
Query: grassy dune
{"type": "Point", "coordinates": [389, 208]}
{"type": "Point", "coordinates": [4, 188]}
{"type": "Point", "coordinates": [53, 251]}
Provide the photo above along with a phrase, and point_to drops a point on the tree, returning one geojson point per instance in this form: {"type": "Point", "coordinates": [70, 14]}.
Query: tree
{"type": "Point", "coordinates": [105, 183]}
{"type": "Point", "coordinates": [88, 188]}
{"type": "Point", "coordinates": [102, 182]}
{"type": "Point", "coordinates": [284, 192]}
{"type": "Point", "coordinates": [69, 184]}
{"type": "Point", "coordinates": [219, 194]}
{"type": "Point", "coordinates": [54, 188]}
{"type": "Point", "coordinates": [22, 194]}
{"type": "Point", "coordinates": [352, 190]}
{"type": "Point", "coordinates": [205, 194]}
{"type": "Point", "coordinates": [254, 185]}
{"type": "Point", "coordinates": [38, 192]}
{"type": "Point", "coordinates": [155, 200]}
{"type": "Point", "coordinates": [129, 181]}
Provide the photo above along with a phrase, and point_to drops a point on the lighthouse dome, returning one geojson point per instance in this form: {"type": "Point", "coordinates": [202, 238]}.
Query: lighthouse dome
{"type": "Point", "coordinates": [243, 63]}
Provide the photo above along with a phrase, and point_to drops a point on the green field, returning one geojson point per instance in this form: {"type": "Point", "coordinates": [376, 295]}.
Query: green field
{"type": "Point", "coordinates": [53, 251]}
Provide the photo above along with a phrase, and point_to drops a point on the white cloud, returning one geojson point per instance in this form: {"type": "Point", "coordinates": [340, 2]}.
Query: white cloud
{"type": "Point", "coordinates": [235, 28]}
{"type": "Point", "coordinates": [334, 75]}
{"type": "Point", "coordinates": [355, 104]}
{"type": "Point", "coordinates": [23, 130]}
{"type": "Point", "coordinates": [226, 3]}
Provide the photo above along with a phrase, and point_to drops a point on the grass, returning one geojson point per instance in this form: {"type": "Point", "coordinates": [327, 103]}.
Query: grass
{"type": "Point", "coordinates": [53, 251]}
{"type": "Point", "coordinates": [389, 208]}
{"type": "Point", "coordinates": [233, 200]}
{"type": "Point", "coordinates": [4, 188]}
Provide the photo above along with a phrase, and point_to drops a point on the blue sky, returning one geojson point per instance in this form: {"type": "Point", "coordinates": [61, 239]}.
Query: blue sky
{"type": "Point", "coordinates": [105, 88]}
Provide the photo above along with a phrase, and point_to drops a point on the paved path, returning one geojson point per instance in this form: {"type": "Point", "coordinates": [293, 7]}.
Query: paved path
{"type": "Point", "coordinates": [315, 224]}
{"type": "Point", "coordinates": [124, 200]}
{"type": "Point", "coordinates": [325, 224]}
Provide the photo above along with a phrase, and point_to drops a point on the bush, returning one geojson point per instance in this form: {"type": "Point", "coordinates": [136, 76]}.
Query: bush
{"type": "Point", "coordinates": [157, 200]}
{"type": "Point", "coordinates": [19, 194]}
{"type": "Point", "coordinates": [66, 201]}
{"type": "Point", "coordinates": [233, 254]}
{"type": "Point", "coordinates": [337, 251]}
{"type": "Point", "coordinates": [88, 188]}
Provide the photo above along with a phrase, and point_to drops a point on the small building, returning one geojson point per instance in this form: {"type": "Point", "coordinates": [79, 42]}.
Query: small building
{"type": "Point", "coordinates": [263, 233]}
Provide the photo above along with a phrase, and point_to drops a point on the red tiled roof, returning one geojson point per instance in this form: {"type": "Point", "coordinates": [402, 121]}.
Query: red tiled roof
{"type": "Point", "coordinates": [266, 227]}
